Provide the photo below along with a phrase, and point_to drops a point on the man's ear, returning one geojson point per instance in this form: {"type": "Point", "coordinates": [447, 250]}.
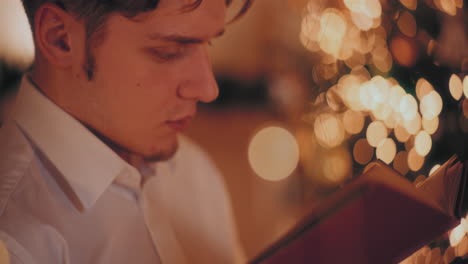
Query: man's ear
{"type": "Point", "coordinates": [52, 28]}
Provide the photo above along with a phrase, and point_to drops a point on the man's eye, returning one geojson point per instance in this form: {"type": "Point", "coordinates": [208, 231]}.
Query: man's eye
{"type": "Point", "coordinates": [166, 54]}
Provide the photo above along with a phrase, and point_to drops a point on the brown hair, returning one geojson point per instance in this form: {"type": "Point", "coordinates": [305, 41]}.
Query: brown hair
{"type": "Point", "coordinates": [95, 12]}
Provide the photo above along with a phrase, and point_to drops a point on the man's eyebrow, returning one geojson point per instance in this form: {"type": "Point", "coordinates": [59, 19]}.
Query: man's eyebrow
{"type": "Point", "coordinates": [180, 39]}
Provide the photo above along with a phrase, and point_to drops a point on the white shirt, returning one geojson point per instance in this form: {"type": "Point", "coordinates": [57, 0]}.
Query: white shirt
{"type": "Point", "coordinates": [65, 197]}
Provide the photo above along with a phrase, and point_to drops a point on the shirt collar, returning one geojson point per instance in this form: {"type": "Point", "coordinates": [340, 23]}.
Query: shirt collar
{"type": "Point", "coordinates": [85, 162]}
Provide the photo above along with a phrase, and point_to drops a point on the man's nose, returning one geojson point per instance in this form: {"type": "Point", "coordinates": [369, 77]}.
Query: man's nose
{"type": "Point", "coordinates": [200, 84]}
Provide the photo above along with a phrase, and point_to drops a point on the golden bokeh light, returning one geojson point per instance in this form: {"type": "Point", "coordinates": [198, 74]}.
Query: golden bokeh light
{"type": "Point", "coordinates": [431, 105]}
{"type": "Point", "coordinates": [408, 107]}
{"type": "Point", "coordinates": [365, 96]}
{"type": "Point", "coordinates": [396, 94]}
{"type": "Point", "coordinates": [376, 132]}
{"type": "Point", "coordinates": [384, 62]}
{"type": "Point", "coordinates": [353, 121]}
{"type": "Point", "coordinates": [434, 169]}
{"type": "Point", "coordinates": [337, 166]}
{"type": "Point", "coordinates": [415, 161]}
{"type": "Point", "coordinates": [383, 112]}
{"type": "Point", "coordinates": [423, 87]}
{"type": "Point", "coordinates": [362, 21]}
{"type": "Point", "coordinates": [393, 120]}
{"type": "Point", "coordinates": [349, 87]}
{"type": "Point", "coordinates": [456, 235]}
{"type": "Point", "coordinates": [401, 134]}
{"type": "Point", "coordinates": [465, 86]}
{"type": "Point", "coordinates": [386, 150]}
{"type": "Point", "coordinates": [380, 89]}
{"type": "Point", "coordinates": [332, 31]}
{"type": "Point", "coordinates": [404, 50]}
{"type": "Point", "coordinates": [363, 152]}
{"type": "Point", "coordinates": [448, 6]}
{"type": "Point", "coordinates": [456, 87]}
{"type": "Point", "coordinates": [329, 130]}
{"type": "Point", "coordinates": [407, 24]}
{"type": "Point", "coordinates": [400, 163]}
{"type": "Point", "coordinates": [413, 126]}
{"type": "Point", "coordinates": [16, 42]}
{"type": "Point", "coordinates": [423, 143]}
{"type": "Point", "coordinates": [273, 153]}
{"type": "Point", "coordinates": [430, 126]}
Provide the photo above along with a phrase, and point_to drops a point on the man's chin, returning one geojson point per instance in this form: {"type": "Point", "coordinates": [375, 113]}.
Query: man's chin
{"type": "Point", "coordinates": [162, 154]}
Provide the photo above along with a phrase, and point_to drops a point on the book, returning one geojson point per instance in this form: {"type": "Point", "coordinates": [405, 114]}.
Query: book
{"type": "Point", "coordinates": [379, 217]}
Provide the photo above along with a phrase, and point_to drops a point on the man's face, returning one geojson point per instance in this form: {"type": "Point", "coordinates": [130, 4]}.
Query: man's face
{"type": "Point", "coordinates": [149, 74]}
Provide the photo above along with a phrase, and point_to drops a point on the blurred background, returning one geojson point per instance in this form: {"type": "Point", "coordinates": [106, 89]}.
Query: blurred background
{"type": "Point", "coordinates": [310, 93]}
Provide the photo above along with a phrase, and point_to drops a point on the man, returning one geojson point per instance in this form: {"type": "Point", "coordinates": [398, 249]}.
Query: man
{"type": "Point", "coordinates": [92, 168]}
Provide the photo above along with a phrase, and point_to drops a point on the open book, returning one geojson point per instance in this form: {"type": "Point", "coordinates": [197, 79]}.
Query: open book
{"type": "Point", "coordinates": [379, 217]}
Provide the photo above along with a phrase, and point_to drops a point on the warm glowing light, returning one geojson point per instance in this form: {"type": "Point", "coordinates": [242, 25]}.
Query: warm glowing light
{"type": "Point", "coordinates": [456, 235]}
{"type": "Point", "coordinates": [350, 90]}
{"type": "Point", "coordinates": [353, 121]}
{"type": "Point", "coordinates": [465, 86]}
{"type": "Point", "coordinates": [273, 153]}
{"type": "Point", "coordinates": [430, 126]}
{"type": "Point", "coordinates": [393, 120]}
{"type": "Point", "coordinates": [415, 161]}
{"type": "Point", "coordinates": [423, 143]}
{"type": "Point", "coordinates": [456, 87]}
{"type": "Point", "coordinates": [361, 72]}
{"type": "Point", "coordinates": [376, 132]}
{"type": "Point", "coordinates": [463, 223]}
{"type": "Point", "coordinates": [383, 112]}
{"type": "Point", "coordinates": [396, 94]}
{"type": "Point", "coordinates": [332, 31]}
{"type": "Point", "coordinates": [384, 61]}
{"type": "Point", "coordinates": [366, 97]}
{"type": "Point", "coordinates": [404, 50]}
{"type": "Point", "coordinates": [363, 152]}
{"type": "Point", "coordinates": [430, 47]}
{"type": "Point", "coordinates": [380, 89]}
{"type": "Point", "coordinates": [329, 130]}
{"type": "Point", "coordinates": [413, 126]}
{"type": "Point", "coordinates": [16, 42]}
{"type": "Point", "coordinates": [407, 24]}
{"type": "Point", "coordinates": [386, 150]}
{"type": "Point", "coordinates": [401, 134]}
{"type": "Point", "coordinates": [400, 163]}
{"type": "Point", "coordinates": [372, 8]}
{"type": "Point", "coordinates": [410, 4]}
{"type": "Point", "coordinates": [357, 6]}
{"type": "Point", "coordinates": [431, 105]}
{"type": "Point", "coordinates": [423, 87]}
{"type": "Point", "coordinates": [408, 107]}
{"type": "Point", "coordinates": [448, 6]}
{"type": "Point", "coordinates": [434, 169]}
{"type": "Point", "coordinates": [362, 21]}
{"type": "Point", "coordinates": [337, 166]}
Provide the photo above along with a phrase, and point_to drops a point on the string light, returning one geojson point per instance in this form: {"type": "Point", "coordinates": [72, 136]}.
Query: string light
{"type": "Point", "coordinates": [273, 153]}
{"type": "Point", "coordinates": [455, 87]}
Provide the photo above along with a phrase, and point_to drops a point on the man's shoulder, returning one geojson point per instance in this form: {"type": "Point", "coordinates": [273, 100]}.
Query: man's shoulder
{"type": "Point", "coordinates": [16, 157]}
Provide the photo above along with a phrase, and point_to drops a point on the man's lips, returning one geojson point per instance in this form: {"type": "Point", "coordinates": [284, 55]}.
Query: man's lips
{"type": "Point", "coordinates": [179, 124]}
